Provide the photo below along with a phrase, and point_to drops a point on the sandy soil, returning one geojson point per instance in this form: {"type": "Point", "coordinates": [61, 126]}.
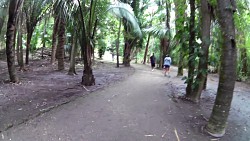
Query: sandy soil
{"type": "Point", "coordinates": [42, 88]}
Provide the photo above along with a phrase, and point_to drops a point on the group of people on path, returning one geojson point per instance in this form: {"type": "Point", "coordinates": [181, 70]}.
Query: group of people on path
{"type": "Point", "coordinates": [166, 64]}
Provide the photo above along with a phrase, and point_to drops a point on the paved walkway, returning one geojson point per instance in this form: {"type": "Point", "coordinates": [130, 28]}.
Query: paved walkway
{"type": "Point", "coordinates": [137, 109]}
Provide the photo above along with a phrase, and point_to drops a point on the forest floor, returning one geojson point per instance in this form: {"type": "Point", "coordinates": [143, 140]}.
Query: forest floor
{"type": "Point", "coordinates": [47, 105]}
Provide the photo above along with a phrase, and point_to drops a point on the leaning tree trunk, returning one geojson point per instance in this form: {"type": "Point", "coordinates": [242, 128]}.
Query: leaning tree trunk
{"type": "Point", "coordinates": [14, 5]}
{"type": "Point", "coordinates": [203, 61]}
{"type": "Point", "coordinates": [61, 43]}
{"type": "Point", "coordinates": [191, 66]}
{"type": "Point", "coordinates": [218, 119]}
{"type": "Point", "coordinates": [146, 50]}
{"type": "Point", "coordinates": [54, 41]}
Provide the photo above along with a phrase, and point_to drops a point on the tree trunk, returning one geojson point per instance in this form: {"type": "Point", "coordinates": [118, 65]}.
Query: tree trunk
{"type": "Point", "coordinates": [72, 69]}
{"type": "Point", "coordinates": [29, 36]}
{"type": "Point", "coordinates": [54, 41]}
{"type": "Point", "coordinates": [218, 119]}
{"type": "Point", "coordinates": [191, 65]}
{"type": "Point", "coordinates": [127, 51]}
{"type": "Point", "coordinates": [88, 77]}
{"type": "Point", "coordinates": [61, 43]}
{"type": "Point", "coordinates": [20, 43]}
{"type": "Point", "coordinates": [205, 38]}
{"type": "Point", "coordinates": [146, 50]}
{"type": "Point", "coordinates": [118, 44]}
{"type": "Point", "coordinates": [14, 5]}
{"type": "Point", "coordinates": [244, 61]}
{"type": "Point", "coordinates": [180, 8]}
{"type": "Point", "coordinates": [44, 33]}
{"type": "Point", "coordinates": [164, 49]}
{"type": "Point", "coordinates": [180, 63]}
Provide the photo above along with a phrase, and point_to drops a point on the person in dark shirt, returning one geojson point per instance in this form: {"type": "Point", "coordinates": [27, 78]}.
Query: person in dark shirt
{"type": "Point", "coordinates": [152, 61]}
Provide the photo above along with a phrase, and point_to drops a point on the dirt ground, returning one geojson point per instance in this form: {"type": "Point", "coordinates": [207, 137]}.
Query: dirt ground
{"type": "Point", "coordinates": [43, 88]}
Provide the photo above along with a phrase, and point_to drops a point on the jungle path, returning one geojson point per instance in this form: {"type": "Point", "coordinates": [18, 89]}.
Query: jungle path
{"type": "Point", "coordinates": [140, 108]}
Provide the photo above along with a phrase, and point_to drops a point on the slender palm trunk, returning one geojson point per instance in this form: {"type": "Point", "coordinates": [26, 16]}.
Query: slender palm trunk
{"type": "Point", "coordinates": [218, 119]}
{"type": "Point", "coordinates": [54, 41]}
{"type": "Point", "coordinates": [72, 69]}
{"type": "Point", "coordinates": [29, 35]}
{"type": "Point", "coordinates": [61, 43]}
{"type": "Point", "coordinates": [118, 44]}
{"type": "Point", "coordinates": [146, 50]}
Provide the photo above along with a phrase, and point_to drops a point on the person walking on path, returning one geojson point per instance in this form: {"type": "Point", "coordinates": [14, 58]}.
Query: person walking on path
{"type": "Point", "coordinates": [152, 61]}
{"type": "Point", "coordinates": [167, 63]}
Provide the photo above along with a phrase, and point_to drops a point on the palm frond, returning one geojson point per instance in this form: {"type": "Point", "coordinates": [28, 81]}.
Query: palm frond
{"type": "Point", "coordinates": [157, 31]}
{"type": "Point", "coordinates": [123, 10]}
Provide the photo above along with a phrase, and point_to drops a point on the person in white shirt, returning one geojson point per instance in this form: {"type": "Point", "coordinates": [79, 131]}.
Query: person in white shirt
{"type": "Point", "coordinates": [167, 63]}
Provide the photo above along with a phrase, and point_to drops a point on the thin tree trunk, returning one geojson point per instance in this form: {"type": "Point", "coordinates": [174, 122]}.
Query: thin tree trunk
{"type": "Point", "coordinates": [29, 35]}
{"type": "Point", "coordinates": [244, 61]}
{"type": "Point", "coordinates": [191, 66]}
{"type": "Point", "coordinates": [146, 50]}
{"type": "Point", "coordinates": [54, 40]}
{"type": "Point", "coordinates": [61, 43]}
{"type": "Point", "coordinates": [118, 44]}
{"type": "Point", "coordinates": [20, 42]}
{"type": "Point", "coordinates": [44, 33]}
{"type": "Point", "coordinates": [180, 62]}
{"type": "Point", "coordinates": [218, 119]}
{"type": "Point", "coordinates": [205, 38]}
{"type": "Point", "coordinates": [72, 69]}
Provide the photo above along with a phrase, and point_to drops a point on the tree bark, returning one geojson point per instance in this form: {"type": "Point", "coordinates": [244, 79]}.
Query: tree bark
{"type": "Point", "coordinates": [54, 41]}
{"type": "Point", "coordinates": [61, 43]}
{"type": "Point", "coordinates": [14, 6]}
{"type": "Point", "coordinates": [146, 50]}
{"type": "Point", "coordinates": [244, 61]}
{"type": "Point", "coordinates": [72, 69]}
{"type": "Point", "coordinates": [203, 61]}
{"type": "Point", "coordinates": [191, 66]}
{"type": "Point", "coordinates": [218, 119]}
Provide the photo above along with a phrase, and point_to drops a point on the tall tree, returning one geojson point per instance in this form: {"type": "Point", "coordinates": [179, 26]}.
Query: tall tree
{"type": "Point", "coordinates": [61, 43]}
{"type": "Point", "coordinates": [191, 62]}
{"type": "Point", "coordinates": [54, 40]}
{"type": "Point", "coordinates": [205, 10]}
{"type": "Point", "coordinates": [218, 119]}
{"type": "Point", "coordinates": [20, 41]}
{"type": "Point", "coordinates": [14, 7]}
{"type": "Point", "coordinates": [34, 12]}
{"type": "Point", "coordinates": [180, 17]}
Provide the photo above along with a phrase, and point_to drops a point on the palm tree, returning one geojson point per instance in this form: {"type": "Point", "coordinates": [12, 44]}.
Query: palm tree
{"type": "Point", "coordinates": [34, 11]}
{"type": "Point", "coordinates": [218, 119]}
{"type": "Point", "coordinates": [14, 7]}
